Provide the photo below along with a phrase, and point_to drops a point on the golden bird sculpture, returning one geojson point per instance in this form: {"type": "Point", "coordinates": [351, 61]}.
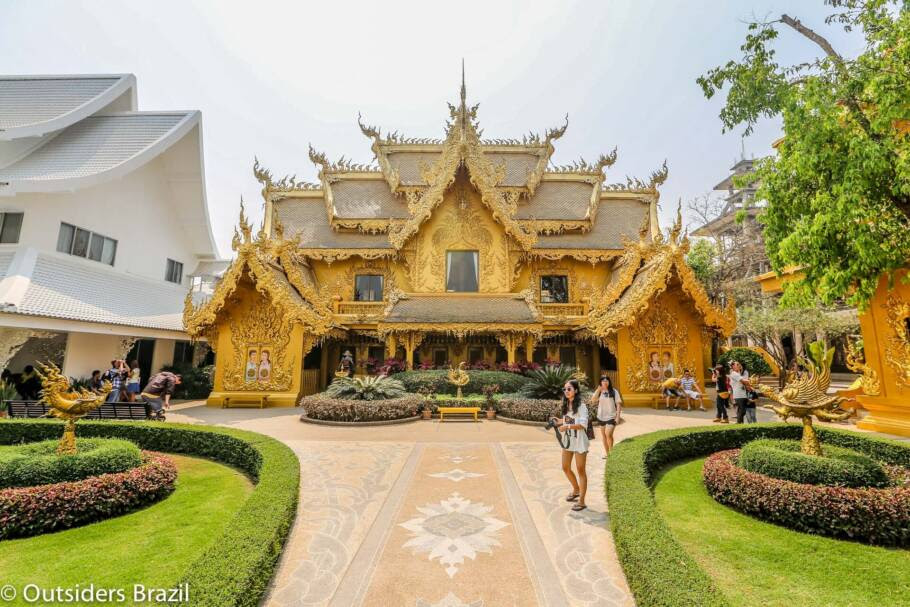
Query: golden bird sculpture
{"type": "Point", "coordinates": [458, 377]}
{"type": "Point", "coordinates": [806, 395]}
{"type": "Point", "coordinates": [66, 404]}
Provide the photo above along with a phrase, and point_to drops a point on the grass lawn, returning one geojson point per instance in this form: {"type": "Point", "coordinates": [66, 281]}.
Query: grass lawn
{"type": "Point", "coordinates": [153, 546]}
{"type": "Point", "coordinates": [757, 563]}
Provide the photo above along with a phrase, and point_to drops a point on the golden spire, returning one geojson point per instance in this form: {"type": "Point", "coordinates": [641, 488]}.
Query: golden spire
{"type": "Point", "coordinates": [463, 107]}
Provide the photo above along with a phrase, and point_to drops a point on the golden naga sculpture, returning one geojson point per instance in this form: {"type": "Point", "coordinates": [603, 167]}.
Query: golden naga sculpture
{"type": "Point", "coordinates": [807, 395]}
{"type": "Point", "coordinates": [458, 377]}
{"type": "Point", "coordinates": [869, 383]}
{"type": "Point", "coordinates": [68, 405]}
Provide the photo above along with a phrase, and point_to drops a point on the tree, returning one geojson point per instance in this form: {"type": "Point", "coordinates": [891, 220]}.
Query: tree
{"type": "Point", "coordinates": [838, 190]}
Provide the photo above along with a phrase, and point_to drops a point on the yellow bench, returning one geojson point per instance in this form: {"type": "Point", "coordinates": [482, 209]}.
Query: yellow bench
{"type": "Point", "coordinates": [251, 401]}
{"type": "Point", "coordinates": [444, 410]}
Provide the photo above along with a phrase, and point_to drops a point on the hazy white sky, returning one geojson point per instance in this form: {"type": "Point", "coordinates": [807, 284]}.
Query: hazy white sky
{"type": "Point", "coordinates": [271, 77]}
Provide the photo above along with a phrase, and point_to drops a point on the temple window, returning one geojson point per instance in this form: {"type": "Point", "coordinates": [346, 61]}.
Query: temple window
{"type": "Point", "coordinates": [539, 356]}
{"type": "Point", "coordinates": [554, 289]}
{"type": "Point", "coordinates": [368, 287]}
{"type": "Point", "coordinates": [567, 355]}
{"type": "Point", "coordinates": [83, 243]}
{"type": "Point", "coordinates": [174, 271]}
{"type": "Point", "coordinates": [440, 357]}
{"type": "Point", "coordinates": [461, 271]}
{"type": "Point", "coordinates": [475, 355]}
{"type": "Point", "coordinates": [10, 226]}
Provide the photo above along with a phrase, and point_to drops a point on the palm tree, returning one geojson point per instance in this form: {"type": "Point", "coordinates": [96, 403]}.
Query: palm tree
{"type": "Point", "coordinates": [366, 388]}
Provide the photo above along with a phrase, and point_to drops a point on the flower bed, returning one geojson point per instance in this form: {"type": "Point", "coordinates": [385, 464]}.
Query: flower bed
{"type": "Point", "coordinates": [876, 516]}
{"type": "Point", "coordinates": [415, 380]}
{"type": "Point", "coordinates": [38, 463]}
{"type": "Point", "coordinates": [322, 407]}
{"type": "Point", "coordinates": [27, 511]}
{"type": "Point", "coordinates": [235, 570]}
{"type": "Point", "coordinates": [644, 543]}
{"type": "Point", "coordinates": [838, 467]}
{"type": "Point", "coordinates": [528, 409]}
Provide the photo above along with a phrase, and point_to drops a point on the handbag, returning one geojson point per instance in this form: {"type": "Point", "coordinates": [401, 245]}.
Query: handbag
{"type": "Point", "coordinates": [724, 395]}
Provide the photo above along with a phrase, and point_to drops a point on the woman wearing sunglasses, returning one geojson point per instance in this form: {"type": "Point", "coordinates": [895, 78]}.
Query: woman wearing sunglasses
{"type": "Point", "coordinates": [574, 423]}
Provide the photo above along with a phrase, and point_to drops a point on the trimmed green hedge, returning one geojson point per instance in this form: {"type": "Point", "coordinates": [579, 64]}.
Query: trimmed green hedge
{"type": "Point", "coordinates": [659, 571]}
{"type": "Point", "coordinates": [323, 407]}
{"type": "Point", "coordinates": [38, 463]}
{"type": "Point", "coordinates": [236, 568]}
{"type": "Point", "coordinates": [516, 406]}
{"type": "Point", "coordinates": [508, 382]}
{"type": "Point", "coordinates": [838, 467]}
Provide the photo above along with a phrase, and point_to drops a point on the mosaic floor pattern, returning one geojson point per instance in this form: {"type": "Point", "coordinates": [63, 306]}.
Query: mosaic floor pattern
{"type": "Point", "coordinates": [445, 525]}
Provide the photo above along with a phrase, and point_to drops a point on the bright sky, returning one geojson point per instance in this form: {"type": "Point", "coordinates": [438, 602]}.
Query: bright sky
{"type": "Point", "coordinates": [271, 77]}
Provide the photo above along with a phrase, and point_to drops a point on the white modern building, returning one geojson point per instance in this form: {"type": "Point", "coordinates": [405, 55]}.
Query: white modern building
{"type": "Point", "coordinates": [103, 223]}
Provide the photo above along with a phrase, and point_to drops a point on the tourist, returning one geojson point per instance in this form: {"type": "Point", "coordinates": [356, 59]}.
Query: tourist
{"type": "Point", "coordinates": [751, 398]}
{"type": "Point", "coordinates": [720, 379]}
{"type": "Point", "coordinates": [574, 424]}
{"type": "Point", "coordinates": [739, 386]}
{"type": "Point", "coordinates": [608, 403]}
{"type": "Point", "coordinates": [116, 375]}
{"type": "Point", "coordinates": [158, 392]}
{"type": "Point", "coordinates": [132, 381]}
{"type": "Point", "coordinates": [29, 384]}
{"type": "Point", "coordinates": [691, 390]}
{"type": "Point", "coordinates": [95, 383]}
{"type": "Point", "coordinates": [672, 388]}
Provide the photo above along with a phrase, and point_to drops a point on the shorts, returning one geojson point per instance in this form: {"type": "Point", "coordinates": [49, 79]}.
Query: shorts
{"type": "Point", "coordinates": [671, 392]}
{"type": "Point", "coordinates": [132, 388]}
{"type": "Point", "coordinates": [604, 422]}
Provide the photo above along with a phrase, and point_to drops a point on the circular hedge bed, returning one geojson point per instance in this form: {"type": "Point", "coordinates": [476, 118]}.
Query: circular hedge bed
{"type": "Point", "coordinates": [38, 463]}
{"type": "Point", "coordinates": [838, 466]}
{"type": "Point", "coordinates": [27, 511]}
{"type": "Point", "coordinates": [659, 571]}
{"type": "Point", "coordinates": [876, 516]}
{"type": "Point", "coordinates": [325, 408]}
{"type": "Point", "coordinates": [236, 568]}
{"type": "Point", "coordinates": [415, 380]}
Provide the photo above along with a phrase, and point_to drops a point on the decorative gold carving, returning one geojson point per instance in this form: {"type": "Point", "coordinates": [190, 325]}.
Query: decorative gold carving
{"type": "Point", "coordinates": [634, 184]}
{"type": "Point", "coordinates": [261, 329]}
{"type": "Point", "coordinates": [70, 406]}
{"type": "Point", "coordinates": [658, 330]}
{"type": "Point", "coordinates": [461, 330]}
{"type": "Point", "coordinates": [458, 377]}
{"type": "Point", "coordinates": [856, 362]}
{"type": "Point", "coordinates": [897, 348]}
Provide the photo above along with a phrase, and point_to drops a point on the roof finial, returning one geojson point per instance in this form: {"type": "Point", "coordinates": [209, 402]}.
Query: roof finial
{"type": "Point", "coordinates": [464, 92]}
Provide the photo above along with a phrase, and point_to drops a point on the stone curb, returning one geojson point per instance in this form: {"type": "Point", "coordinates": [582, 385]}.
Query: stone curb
{"type": "Point", "coordinates": [522, 422]}
{"type": "Point", "coordinates": [381, 422]}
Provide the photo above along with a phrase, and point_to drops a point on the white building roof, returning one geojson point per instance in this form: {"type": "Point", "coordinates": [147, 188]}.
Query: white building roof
{"type": "Point", "coordinates": [96, 149]}
{"type": "Point", "coordinates": [35, 105]}
{"type": "Point", "coordinates": [56, 286]}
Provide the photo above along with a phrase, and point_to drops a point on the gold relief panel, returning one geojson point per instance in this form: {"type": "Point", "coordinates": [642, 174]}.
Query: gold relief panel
{"type": "Point", "coordinates": [897, 348]}
{"type": "Point", "coordinates": [660, 349]}
{"type": "Point", "coordinates": [260, 343]}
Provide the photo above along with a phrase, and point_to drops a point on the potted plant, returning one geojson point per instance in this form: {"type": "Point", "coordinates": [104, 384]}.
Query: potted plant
{"type": "Point", "coordinates": [488, 392]}
{"type": "Point", "coordinates": [428, 392]}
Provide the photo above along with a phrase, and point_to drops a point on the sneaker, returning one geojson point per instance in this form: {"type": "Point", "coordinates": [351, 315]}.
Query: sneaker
{"type": "Point", "coordinates": [725, 421]}
{"type": "Point", "coordinates": [716, 420]}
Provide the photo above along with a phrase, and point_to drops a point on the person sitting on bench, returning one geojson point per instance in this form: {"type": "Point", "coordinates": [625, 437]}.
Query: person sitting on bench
{"type": "Point", "coordinates": [672, 388]}
{"type": "Point", "coordinates": [157, 393]}
{"type": "Point", "coordinates": [691, 390]}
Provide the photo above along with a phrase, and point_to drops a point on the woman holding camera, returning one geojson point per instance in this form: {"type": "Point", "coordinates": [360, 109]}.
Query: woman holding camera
{"type": "Point", "coordinates": [608, 404]}
{"type": "Point", "coordinates": [574, 424]}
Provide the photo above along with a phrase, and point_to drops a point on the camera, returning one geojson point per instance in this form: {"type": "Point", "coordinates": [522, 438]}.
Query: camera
{"type": "Point", "coordinates": [551, 423]}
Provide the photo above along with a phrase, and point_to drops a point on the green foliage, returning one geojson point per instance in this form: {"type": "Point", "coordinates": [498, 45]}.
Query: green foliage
{"type": "Point", "coordinates": [325, 407]}
{"type": "Point", "coordinates": [751, 360]}
{"type": "Point", "coordinates": [642, 536]}
{"type": "Point", "coordinates": [548, 382]}
{"type": "Point", "coordinates": [702, 259]}
{"type": "Point", "coordinates": [837, 467]}
{"type": "Point", "coordinates": [195, 382]}
{"type": "Point", "coordinates": [371, 387]}
{"type": "Point", "coordinates": [38, 463]}
{"type": "Point", "coordinates": [234, 571]}
{"type": "Point", "coordinates": [517, 406]}
{"type": "Point", "coordinates": [838, 190]}
{"type": "Point", "coordinates": [7, 392]}
{"type": "Point", "coordinates": [80, 383]}
{"type": "Point", "coordinates": [415, 380]}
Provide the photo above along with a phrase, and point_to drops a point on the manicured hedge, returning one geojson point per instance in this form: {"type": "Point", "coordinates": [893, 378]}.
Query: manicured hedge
{"type": "Point", "coordinates": [39, 464]}
{"type": "Point", "coordinates": [838, 467]}
{"type": "Point", "coordinates": [659, 571]}
{"type": "Point", "coordinates": [27, 511]}
{"type": "Point", "coordinates": [320, 406]}
{"type": "Point", "coordinates": [236, 568]}
{"type": "Point", "coordinates": [508, 382]}
{"type": "Point", "coordinates": [530, 409]}
{"type": "Point", "coordinates": [876, 516]}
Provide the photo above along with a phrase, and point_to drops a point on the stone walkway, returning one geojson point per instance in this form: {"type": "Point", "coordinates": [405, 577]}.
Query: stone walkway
{"type": "Point", "coordinates": [431, 514]}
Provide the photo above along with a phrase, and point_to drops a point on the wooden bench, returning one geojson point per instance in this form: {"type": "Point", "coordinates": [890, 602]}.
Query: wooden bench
{"type": "Point", "coordinates": [450, 410]}
{"type": "Point", "coordinates": [245, 401]}
{"type": "Point", "coordinates": [119, 410]}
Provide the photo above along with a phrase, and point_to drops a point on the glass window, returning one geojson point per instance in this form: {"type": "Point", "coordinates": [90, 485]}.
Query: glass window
{"type": "Point", "coordinates": [440, 357]}
{"type": "Point", "coordinates": [65, 238]}
{"type": "Point", "coordinates": [94, 249]}
{"type": "Point", "coordinates": [461, 271]}
{"type": "Point", "coordinates": [475, 355]}
{"type": "Point", "coordinates": [567, 355]}
{"type": "Point", "coordinates": [368, 287]}
{"type": "Point", "coordinates": [554, 289]}
{"type": "Point", "coordinates": [12, 224]}
{"type": "Point", "coordinates": [109, 251]}
{"type": "Point", "coordinates": [174, 271]}
{"type": "Point", "coordinates": [80, 242]}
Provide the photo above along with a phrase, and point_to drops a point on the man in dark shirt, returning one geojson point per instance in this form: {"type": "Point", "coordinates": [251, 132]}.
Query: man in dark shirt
{"type": "Point", "coordinates": [158, 393]}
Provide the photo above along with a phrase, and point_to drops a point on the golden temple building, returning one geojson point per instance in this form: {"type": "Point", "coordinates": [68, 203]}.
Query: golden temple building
{"type": "Point", "coordinates": [451, 250]}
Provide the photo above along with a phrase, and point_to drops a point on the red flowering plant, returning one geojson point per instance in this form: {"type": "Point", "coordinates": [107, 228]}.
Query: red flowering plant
{"type": "Point", "coordinates": [393, 365]}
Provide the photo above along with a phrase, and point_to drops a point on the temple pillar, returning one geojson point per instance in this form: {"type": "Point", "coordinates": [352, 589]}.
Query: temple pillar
{"type": "Point", "coordinates": [391, 345]}
{"type": "Point", "coordinates": [595, 362]}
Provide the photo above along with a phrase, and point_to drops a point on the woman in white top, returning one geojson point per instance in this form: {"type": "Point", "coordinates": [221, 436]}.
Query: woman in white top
{"type": "Point", "coordinates": [608, 403]}
{"type": "Point", "coordinates": [574, 423]}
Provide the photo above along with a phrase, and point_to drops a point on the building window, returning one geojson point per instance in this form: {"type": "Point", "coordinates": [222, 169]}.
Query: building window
{"type": "Point", "coordinates": [174, 272]}
{"type": "Point", "coordinates": [183, 353]}
{"type": "Point", "coordinates": [567, 356]}
{"type": "Point", "coordinates": [461, 271]}
{"type": "Point", "coordinates": [368, 287]}
{"type": "Point", "coordinates": [440, 357]}
{"type": "Point", "coordinates": [10, 225]}
{"type": "Point", "coordinates": [83, 243]}
{"type": "Point", "coordinates": [475, 355]}
{"type": "Point", "coordinates": [554, 289]}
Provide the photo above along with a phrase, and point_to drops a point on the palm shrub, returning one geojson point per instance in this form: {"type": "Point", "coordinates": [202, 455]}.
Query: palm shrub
{"type": "Point", "coordinates": [365, 388]}
{"type": "Point", "coordinates": [547, 382]}
{"type": "Point", "coordinates": [7, 393]}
